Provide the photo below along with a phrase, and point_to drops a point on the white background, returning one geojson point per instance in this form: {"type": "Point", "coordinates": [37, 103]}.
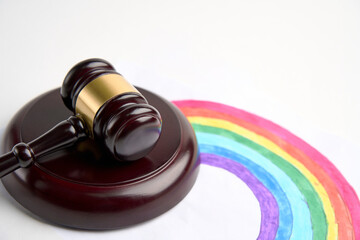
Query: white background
{"type": "Point", "coordinates": [296, 63]}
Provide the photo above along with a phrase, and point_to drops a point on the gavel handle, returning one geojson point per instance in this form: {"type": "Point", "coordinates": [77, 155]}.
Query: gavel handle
{"type": "Point", "coordinates": [62, 135]}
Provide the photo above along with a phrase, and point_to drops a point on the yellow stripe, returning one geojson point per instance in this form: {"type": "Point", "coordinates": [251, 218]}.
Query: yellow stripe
{"type": "Point", "coordinates": [332, 233]}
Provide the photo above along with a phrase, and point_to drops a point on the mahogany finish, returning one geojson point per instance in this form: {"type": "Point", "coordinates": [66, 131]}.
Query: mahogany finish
{"type": "Point", "coordinates": [79, 76]}
{"type": "Point", "coordinates": [80, 186]}
{"type": "Point", "coordinates": [64, 134]}
{"type": "Point", "coordinates": [126, 125]}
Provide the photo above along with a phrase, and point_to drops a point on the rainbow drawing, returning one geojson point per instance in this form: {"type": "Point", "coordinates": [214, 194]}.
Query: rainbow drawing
{"type": "Point", "coordinates": [301, 193]}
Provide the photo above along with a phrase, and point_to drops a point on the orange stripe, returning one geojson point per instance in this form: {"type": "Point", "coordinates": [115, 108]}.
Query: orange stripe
{"type": "Point", "coordinates": [342, 214]}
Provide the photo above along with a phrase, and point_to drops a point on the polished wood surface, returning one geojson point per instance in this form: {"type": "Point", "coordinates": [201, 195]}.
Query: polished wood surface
{"type": "Point", "coordinates": [79, 76]}
{"type": "Point", "coordinates": [126, 124]}
{"type": "Point", "coordinates": [81, 186]}
{"type": "Point", "coordinates": [64, 134]}
{"type": "Point", "coordinates": [122, 121]}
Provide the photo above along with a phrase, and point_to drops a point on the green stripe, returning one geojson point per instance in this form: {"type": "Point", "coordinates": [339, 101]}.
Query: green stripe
{"type": "Point", "coordinates": [318, 218]}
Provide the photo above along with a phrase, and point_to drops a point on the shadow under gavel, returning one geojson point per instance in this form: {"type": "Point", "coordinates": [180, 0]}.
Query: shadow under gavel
{"type": "Point", "coordinates": [106, 108]}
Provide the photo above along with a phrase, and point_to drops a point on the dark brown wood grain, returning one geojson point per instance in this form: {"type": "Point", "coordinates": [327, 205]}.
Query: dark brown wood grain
{"type": "Point", "coordinates": [81, 186]}
{"type": "Point", "coordinates": [64, 134]}
{"type": "Point", "coordinates": [126, 125]}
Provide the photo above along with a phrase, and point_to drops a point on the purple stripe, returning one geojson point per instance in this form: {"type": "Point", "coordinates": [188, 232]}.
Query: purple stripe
{"type": "Point", "coordinates": [268, 206]}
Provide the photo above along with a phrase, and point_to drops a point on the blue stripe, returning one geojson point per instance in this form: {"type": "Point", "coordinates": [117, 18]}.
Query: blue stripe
{"type": "Point", "coordinates": [294, 215]}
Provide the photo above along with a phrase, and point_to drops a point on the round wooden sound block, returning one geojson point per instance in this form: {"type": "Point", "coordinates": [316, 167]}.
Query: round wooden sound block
{"type": "Point", "coordinates": [82, 187]}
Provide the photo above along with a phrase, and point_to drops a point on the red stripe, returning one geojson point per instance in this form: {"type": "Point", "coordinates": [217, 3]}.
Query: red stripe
{"type": "Point", "coordinates": [337, 187]}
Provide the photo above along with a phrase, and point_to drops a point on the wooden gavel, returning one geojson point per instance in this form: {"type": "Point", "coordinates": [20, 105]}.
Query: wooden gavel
{"type": "Point", "coordinates": [106, 108]}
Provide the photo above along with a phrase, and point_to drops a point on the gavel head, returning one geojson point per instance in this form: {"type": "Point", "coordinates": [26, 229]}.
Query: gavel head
{"type": "Point", "coordinates": [115, 113]}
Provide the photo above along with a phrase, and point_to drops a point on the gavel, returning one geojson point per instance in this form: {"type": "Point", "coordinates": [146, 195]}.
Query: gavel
{"type": "Point", "coordinates": [106, 108]}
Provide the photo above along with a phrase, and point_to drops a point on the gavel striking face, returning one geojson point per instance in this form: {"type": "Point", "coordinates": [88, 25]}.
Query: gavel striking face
{"type": "Point", "coordinates": [114, 112]}
{"type": "Point", "coordinates": [106, 108]}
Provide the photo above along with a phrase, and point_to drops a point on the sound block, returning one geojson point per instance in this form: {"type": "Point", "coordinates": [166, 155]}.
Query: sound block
{"type": "Point", "coordinates": [82, 187]}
